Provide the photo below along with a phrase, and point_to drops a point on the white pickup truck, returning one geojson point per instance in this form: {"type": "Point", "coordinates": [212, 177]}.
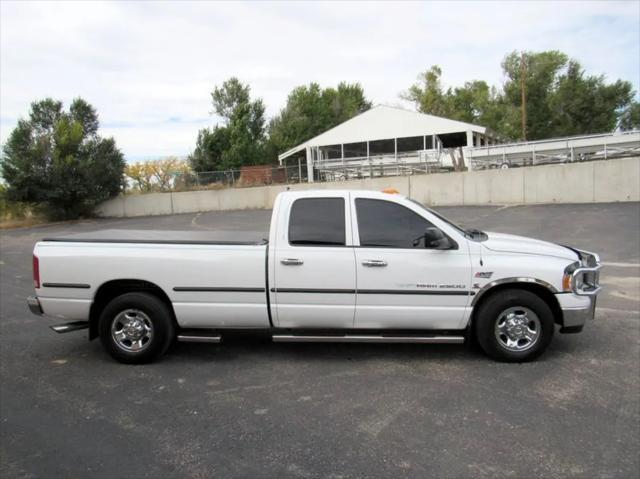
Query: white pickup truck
{"type": "Point", "coordinates": [338, 266]}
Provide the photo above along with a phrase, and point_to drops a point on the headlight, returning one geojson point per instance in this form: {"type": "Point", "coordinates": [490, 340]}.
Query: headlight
{"type": "Point", "coordinates": [579, 282]}
{"type": "Point", "coordinates": [566, 278]}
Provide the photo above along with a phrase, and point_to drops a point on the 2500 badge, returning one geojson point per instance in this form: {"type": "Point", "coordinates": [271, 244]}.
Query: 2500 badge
{"type": "Point", "coordinates": [440, 286]}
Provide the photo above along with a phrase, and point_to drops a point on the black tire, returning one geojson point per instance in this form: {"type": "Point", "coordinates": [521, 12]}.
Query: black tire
{"type": "Point", "coordinates": [515, 300]}
{"type": "Point", "coordinates": [146, 310]}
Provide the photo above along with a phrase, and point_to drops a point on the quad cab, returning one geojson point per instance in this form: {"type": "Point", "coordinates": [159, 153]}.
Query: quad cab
{"type": "Point", "coordinates": [338, 266]}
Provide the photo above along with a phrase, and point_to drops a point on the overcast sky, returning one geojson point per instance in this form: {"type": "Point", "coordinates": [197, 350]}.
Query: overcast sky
{"type": "Point", "coordinates": [149, 67]}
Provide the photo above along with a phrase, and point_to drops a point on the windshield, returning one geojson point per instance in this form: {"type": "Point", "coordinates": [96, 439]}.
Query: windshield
{"type": "Point", "coordinates": [472, 233]}
{"type": "Point", "coordinates": [438, 215]}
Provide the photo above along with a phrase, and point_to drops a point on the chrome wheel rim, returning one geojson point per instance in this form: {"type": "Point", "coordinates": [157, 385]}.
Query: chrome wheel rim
{"type": "Point", "coordinates": [518, 329]}
{"type": "Point", "coordinates": [132, 330]}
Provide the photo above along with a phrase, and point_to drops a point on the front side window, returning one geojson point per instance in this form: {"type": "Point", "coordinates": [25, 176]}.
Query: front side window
{"type": "Point", "coordinates": [317, 222]}
{"type": "Point", "coordinates": [389, 225]}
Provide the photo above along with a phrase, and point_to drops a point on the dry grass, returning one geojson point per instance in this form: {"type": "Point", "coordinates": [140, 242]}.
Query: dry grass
{"type": "Point", "coordinates": [22, 222]}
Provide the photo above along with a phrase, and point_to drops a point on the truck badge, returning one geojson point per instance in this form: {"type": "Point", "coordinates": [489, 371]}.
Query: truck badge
{"type": "Point", "coordinates": [484, 274]}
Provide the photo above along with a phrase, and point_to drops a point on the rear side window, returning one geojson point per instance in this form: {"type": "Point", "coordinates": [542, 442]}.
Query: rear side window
{"type": "Point", "coordinates": [317, 222]}
{"type": "Point", "coordinates": [389, 225]}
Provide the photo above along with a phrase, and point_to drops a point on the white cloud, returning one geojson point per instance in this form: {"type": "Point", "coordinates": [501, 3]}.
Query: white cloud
{"type": "Point", "coordinates": [149, 67]}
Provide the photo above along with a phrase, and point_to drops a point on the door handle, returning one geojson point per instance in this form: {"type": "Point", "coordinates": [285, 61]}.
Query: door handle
{"type": "Point", "coordinates": [374, 263]}
{"type": "Point", "coordinates": [291, 261]}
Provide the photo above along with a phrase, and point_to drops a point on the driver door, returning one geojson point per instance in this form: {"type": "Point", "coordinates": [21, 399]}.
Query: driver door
{"type": "Point", "coordinates": [401, 284]}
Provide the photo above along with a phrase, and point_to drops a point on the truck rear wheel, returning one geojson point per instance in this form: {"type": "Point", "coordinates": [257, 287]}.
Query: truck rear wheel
{"type": "Point", "coordinates": [514, 326]}
{"type": "Point", "coordinates": [136, 328]}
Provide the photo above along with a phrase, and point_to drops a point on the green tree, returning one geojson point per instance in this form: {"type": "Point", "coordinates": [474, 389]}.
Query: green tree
{"type": "Point", "coordinates": [586, 104]}
{"type": "Point", "coordinates": [477, 102]}
{"type": "Point", "coordinates": [429, 95]}
{"type": "Point", "coordinates": [229, 98]}
{"type": "Point", "coordinates": [210, 145]}
{"type": "Point", "coordinates": [311, 110]}
{"type": "Point", "coordinates": [541, 76]}
{"type": "Point", "coordinates": [630, 118]}
{"type": "Point", "coordinates": [57, 159]}
{"type": "Point", "coordinates": [44, 114]}
{"type": "Point", "coordinates": [241, 138]}
{"type": "Point", "coordinates": [474, 102]}
{"type": "Point", "coordinates": [83, 113]}
{"type": "Point", "coordinates": [561, 99]}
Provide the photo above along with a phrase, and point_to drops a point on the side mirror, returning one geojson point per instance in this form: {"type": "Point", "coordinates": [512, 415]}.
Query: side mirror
{"type": "Point", "coordinates": [433, 237]}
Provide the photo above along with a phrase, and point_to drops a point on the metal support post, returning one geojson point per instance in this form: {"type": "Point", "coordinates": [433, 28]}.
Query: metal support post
{"type": "Point", "coordinates": [309, 165]}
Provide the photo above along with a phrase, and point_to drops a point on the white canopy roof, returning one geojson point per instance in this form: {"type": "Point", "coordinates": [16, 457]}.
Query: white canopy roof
{"type": "Point", "coordinates": [386, 122]}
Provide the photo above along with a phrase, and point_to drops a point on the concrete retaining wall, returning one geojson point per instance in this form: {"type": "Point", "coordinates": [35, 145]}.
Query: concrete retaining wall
{"type": "Point", "coordinates": [597, 181]}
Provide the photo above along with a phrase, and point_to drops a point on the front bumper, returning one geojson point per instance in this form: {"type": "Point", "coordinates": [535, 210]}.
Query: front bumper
{"type": "Point", "coordinates": [34, 305]}
{"type": "Point", "coordinates": [580, 305]}
{"type": "Point", "coordinates": [574, 318]}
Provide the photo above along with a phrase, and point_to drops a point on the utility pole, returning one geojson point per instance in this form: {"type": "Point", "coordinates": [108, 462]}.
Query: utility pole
{"type": "Point", "coordinates": [523, 72]}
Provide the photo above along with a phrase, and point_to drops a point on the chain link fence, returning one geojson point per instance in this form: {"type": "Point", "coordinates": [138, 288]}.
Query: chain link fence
{"type": "Point", "coordinates": [283, 175]}
{"type": "Point", "coordinates": [289, 175]}
{"type": "Point", "coordinates": [245, 177]}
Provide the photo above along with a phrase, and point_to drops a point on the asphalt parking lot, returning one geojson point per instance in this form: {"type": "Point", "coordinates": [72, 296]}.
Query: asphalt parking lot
{"type": "Point", "coordinates": [257, 409]}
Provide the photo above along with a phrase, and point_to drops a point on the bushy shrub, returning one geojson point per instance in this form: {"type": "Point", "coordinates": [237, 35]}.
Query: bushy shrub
{"type": "Point", "coordinates": [57, 160]}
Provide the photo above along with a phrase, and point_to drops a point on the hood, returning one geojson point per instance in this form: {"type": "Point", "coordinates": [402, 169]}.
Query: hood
{"type": "Point", "coordinates": [521, 244]}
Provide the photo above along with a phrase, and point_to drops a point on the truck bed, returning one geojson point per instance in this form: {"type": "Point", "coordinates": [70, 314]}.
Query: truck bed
{"type": "Point", "coordinates": [212, 278]}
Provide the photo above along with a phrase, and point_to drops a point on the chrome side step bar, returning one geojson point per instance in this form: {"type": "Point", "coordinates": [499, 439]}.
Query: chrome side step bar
{"type": "Point", "coordinates": [196, 338]}
{"type": "Point", "coordinates": [68, 327]}
{"type": "Point", "coordinates": [352, 338]}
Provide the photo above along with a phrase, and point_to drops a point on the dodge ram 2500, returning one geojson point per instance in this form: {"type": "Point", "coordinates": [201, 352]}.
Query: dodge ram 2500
{"type": "Point", "coordinates": [338, 266]}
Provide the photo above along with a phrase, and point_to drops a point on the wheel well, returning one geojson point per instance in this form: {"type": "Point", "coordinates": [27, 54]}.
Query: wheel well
{"type": "Point", "coordinates": [115, 288]}
{"type": "Point", "coordinates": [543, 293]}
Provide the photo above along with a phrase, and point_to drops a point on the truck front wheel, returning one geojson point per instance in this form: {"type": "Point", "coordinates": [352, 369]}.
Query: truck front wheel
{"type": "Point", "coordinates": [514, 326]}
{"type": "Point", "coordinates": [136, 328]}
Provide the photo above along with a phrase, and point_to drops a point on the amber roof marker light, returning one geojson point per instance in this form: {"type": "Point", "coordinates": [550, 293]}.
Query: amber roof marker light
{"type": "Point", "coordinates": [391, 191]}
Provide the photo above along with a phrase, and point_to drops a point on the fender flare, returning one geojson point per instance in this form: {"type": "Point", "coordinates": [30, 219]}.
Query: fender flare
{"type": "Point", "coordinates": [513, 280]}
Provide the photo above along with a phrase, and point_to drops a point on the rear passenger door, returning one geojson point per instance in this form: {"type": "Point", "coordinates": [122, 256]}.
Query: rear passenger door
{"type": "Point", "coordinates": [314, 267]}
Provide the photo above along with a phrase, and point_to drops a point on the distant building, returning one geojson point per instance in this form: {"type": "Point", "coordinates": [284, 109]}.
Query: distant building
{"type": "Point", "coordinates": [383, 141]}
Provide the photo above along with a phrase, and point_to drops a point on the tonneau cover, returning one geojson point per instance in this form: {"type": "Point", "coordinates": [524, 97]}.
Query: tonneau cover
{"type": "Point", "coordinates": [212, 237]}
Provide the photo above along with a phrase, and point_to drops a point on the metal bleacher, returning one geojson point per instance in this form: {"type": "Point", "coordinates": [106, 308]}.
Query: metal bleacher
{"type": "Point", "coordinates": [507, 155]}
{"type": "Point", "coordinates": [557, 150]}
